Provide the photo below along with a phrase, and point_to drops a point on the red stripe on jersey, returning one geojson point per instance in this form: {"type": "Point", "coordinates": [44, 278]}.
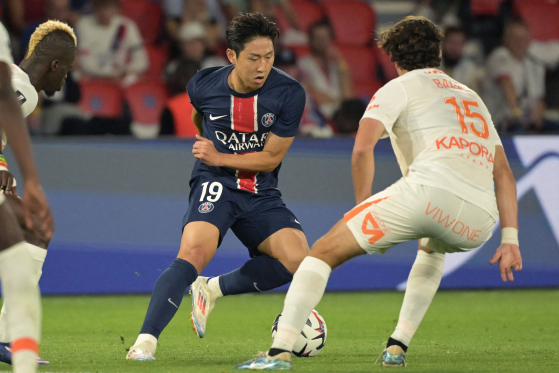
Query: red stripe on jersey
{"type": "Point", "coordinates": [246, 180]}
{"type": "Point", "coordinates": [244, 114]}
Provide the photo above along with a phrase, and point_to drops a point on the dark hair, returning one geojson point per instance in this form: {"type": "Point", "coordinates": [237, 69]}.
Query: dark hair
{"type": "Point", "coordinates": [325, 22]}
{"type": "Point", "coordinates": [454, 30]}
{"type": "Point", "coordinates": [248, 26]}
{"type": "Point", "coordinates": [53, 44]}
{"type": "Point", "coordinates": [413, 43]}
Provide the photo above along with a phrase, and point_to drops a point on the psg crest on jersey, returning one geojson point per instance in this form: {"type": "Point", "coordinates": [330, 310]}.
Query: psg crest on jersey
{"type": "Point", "coordinates": [268, 119]}
{"type": "Point", "coordinates": [206, 207]}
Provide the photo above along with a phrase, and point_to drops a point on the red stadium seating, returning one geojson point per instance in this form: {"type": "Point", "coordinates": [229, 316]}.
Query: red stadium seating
{"type": "Point", "coordinates": [146, 101]}
{"type": "Point", "coordinates": [101, 98]}
{"type": "Point", "coordinates": [148, 16]}
{"type": "Point", "coordinates": [361, 61]}
{"type": "Point", "coordinates": [158, 58]}
{"type": "Point", "coordinates": [485, 7]}
{"type": "Point", "coordinates": [541, 17]}
{"type": "Point", "coordinates": [306, 13]}
{"type": "Point", "coordinates": [353, 21]}
{"type": "Point", "coordinates": [366, 89]}
{"type": "Point", "coordinates": [300, 50]}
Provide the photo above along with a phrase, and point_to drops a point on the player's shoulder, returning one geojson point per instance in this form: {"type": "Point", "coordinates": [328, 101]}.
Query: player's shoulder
{"type": "Point", "coordinates": [27, 95]}
{"type": "Point", "coordinates": [210, 75]}
{"type": "Point", "coordinates": [278, 79]}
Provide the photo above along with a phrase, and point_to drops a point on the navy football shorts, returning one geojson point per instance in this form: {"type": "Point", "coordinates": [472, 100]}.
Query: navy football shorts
{"type": "Point", "coordinates": [252, 217]}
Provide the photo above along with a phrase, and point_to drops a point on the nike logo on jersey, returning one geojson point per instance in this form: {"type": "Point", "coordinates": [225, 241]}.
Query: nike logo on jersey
{"type": "Point", "coordinates": [297, 221]}
{"type": "Point", "coordinates": [170, 301]}
{"type": "Point", "coordinates": [256, 287]}
{"type": "Point", "coordinates": [214, 118]}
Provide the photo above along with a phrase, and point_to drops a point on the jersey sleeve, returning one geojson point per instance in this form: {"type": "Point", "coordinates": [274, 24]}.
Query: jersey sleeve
{"type": "Point", "coordinates": [192, 92]}
{"type": "Point", "coordinates": [5, 51]}
{"type": "Point", "coordinates": [386, 105]}
{"type": "Point", "coordinates": [287, 123]}
{"type": "Point", "coordinates": [27, 96]}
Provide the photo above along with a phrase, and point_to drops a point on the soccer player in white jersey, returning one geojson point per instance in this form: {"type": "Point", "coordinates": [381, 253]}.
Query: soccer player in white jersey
{"type": "Point", "coordinates": [19, 289]}
{"type": "Point", "coordinates": [52, 50]}
{"type": "Point", "coordinates": [456, 182]}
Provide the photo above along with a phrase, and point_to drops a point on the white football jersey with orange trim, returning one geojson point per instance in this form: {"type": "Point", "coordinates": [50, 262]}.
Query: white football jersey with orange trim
{"type": "Point", "coordinates": [26, 94]}
{"type": "Point", "coordinates": [442, 134]}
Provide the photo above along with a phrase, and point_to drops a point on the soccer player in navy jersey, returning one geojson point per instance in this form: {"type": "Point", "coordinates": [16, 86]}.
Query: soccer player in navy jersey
{"type": "Point", "coordinates": [247, 114]}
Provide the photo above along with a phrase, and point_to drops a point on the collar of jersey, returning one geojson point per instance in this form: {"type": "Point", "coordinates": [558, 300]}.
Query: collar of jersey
{"type": "Point", "coordinates": [238, 94]}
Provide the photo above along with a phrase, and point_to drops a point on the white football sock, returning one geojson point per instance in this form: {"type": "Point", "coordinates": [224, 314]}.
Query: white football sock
{"type": "Point", "coordinates": [38, 255]}
{"type": "Point", "coordinates": [306, 290]}
{"type": "Point", "coordinates": [20, 292]}
{"type": "Point", "coordinates": [423, 282]}
{"type": "Point", "coordinates": [213, 284]}
{"type": "Point", "coordinates": [147, 338]}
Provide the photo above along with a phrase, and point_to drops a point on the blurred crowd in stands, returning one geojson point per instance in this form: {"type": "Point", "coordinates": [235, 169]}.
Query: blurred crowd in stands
{"type": "Point", "coordinates": [135, 58]}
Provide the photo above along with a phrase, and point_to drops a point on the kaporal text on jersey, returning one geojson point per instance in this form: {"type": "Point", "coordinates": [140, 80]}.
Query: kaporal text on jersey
{"type": "Point", "coordinates": [241, 141]}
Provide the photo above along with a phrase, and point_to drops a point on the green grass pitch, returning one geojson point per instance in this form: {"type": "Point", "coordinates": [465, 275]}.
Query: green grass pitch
{"type": "Point", "coordinates": [470, 331]}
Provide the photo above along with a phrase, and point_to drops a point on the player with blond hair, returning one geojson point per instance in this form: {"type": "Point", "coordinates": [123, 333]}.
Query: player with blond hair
{"type": "Point", "coordinates": [51, 53]}
{"type": "Point", "coordinates": [456, 183]}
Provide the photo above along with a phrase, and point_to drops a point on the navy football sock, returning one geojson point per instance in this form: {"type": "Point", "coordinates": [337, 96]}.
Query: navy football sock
{"type": "Point", "coordinates": [167, 296]}
{"type": "Point", "coordinates": [259, 274]}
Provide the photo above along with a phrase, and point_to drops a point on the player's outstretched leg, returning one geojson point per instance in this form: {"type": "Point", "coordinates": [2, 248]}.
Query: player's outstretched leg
{"type": "Point", "coordinates": [288, 247]}
{"type": "Point", "coordinates": [198, 245]}
{"type": "Point", "coordinates": [423, 282]}
{"type": "Point", "coordinates": [37, 248]}
{"type": "Point", "coordinates": [305, 292]}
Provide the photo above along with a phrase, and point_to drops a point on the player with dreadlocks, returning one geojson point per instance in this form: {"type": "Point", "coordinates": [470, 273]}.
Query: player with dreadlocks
{"type": "Point", "coordinates": [51, 53]}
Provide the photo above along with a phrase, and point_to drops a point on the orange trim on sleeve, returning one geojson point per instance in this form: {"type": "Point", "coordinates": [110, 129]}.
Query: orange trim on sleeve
{"type": "Point", "coordinates": [356, 210]}
{"type": "Point", "coordinates": [25, 344]}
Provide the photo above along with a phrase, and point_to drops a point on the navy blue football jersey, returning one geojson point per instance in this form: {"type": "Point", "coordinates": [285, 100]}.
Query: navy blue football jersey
{"type": "Point", "coordinates": [238, 123]}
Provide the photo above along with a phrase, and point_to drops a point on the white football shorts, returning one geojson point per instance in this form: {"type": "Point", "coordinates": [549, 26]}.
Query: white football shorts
{"type": "Point", "coordinates": [404, 212]}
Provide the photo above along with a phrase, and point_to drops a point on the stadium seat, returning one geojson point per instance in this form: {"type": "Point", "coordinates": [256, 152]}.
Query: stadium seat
{"type": "Point", "coordinates": [148, 16]}
{"type": "Point", "coordinates": [101, 98]}
{"type": "Point", "coordinates": [353, 21]}
{"type": "Point", "coordinates": [146, 101]}
{"type": "Point", "coordinates": [158, 58]}
{"type": "Point", "coordinates": [361, 61]}
{"type": "Point", "coordinates": [485, 7]}
{"type": "Point", "coordinates": [541, 17]}
{"type": "Point", "coordinates": [306, 13]}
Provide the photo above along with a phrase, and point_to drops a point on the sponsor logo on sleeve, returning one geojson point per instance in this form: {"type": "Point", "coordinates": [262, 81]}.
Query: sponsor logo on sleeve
{"type": "Point", "coordinates": [21, 98]}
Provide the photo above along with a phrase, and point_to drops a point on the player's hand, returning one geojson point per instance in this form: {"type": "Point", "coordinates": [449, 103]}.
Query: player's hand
{"type": "Point", "coordinates": [7, 182]}
{"type": "Point", "coordinates": [205, 151]}
{"type": "Point", "coordinates": [508, 256]}
{"type": "Point", "coordinates": [35, 204]}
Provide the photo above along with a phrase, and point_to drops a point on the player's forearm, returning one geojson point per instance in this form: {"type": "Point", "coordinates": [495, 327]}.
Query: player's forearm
{"type": "Point", "coordinates": [13, 123]}
{"type": "Point", "coordinates": [509, 92]}
{"type": "Point", "coordinates": [505, 190]}
{"type": "Point", "coordinates": [363, 170]}
{"type": "Point", "coordinates": [263, 161]}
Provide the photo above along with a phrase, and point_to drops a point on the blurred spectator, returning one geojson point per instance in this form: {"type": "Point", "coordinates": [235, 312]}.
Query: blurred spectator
{"type": "Point", "coordinates": [56, 9]}
{"type": "Point", "coordinates": [176, 119]}
{"type": "Point", "coordinates": [110, 45]}
{"type": "Point", "coordinates": [454, 63]}
{"type": "Point", "coordinates": [313, 124]}
{"type": "Point", "coordinates": [515, 87]}
{"type": "Point", "coordinates": [207, 12]}
{"type": "Point", "coordinates": [193, 48]}
{"type": "Point", "coordinates": [22, 12]}
{"type": "Point", "coordinates": [62, 106]}
{"type": "Point", "coordinates": [265, 7]}
{"type": "Point", "coordinates": [325, 71]}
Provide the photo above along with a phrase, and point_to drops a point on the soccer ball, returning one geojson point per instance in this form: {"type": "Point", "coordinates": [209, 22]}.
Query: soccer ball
{"type": "Point", "coordinates": [312, 337]}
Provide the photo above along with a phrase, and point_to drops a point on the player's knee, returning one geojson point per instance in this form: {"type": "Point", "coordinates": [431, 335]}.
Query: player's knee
{"type": "Point", "coordinates": [197, 255]}
{"type": "Point", "coordinates": [293, 258]}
